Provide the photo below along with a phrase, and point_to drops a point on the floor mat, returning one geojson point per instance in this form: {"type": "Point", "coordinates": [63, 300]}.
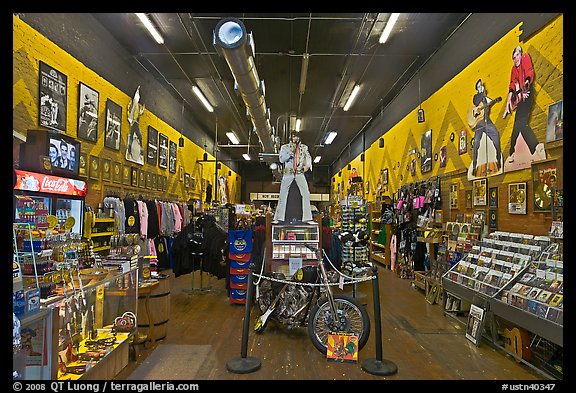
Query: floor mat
{"type": "Point", "coordinates": [172, 361]}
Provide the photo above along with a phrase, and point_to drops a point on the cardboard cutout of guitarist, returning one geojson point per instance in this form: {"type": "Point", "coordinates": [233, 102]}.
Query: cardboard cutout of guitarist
{"type": "Point", "coordinates": [479, 120]}
{"type": "Point", "coordinates": [520, 99]}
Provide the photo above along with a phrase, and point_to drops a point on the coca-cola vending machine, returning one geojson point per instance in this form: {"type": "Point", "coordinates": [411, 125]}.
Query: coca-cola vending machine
{"type": "Point", "coordinates": [39, 195]}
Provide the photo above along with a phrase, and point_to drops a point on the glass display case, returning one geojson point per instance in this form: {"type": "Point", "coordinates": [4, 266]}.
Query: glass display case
{"type": "Point", "coordinates": [289, 247]}
{"type": "Point", "coordinates": [83, 331]}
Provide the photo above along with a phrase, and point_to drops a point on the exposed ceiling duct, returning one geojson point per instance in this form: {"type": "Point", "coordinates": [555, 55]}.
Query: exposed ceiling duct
{"type": "Point", "coordinates": [237, 46]}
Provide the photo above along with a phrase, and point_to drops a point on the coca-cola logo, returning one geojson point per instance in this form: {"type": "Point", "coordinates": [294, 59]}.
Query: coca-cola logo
{"type": "Point", "coordinates": [56, 185]}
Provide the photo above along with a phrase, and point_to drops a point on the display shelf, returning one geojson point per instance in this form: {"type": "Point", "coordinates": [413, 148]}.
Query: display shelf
{"type": "Point", "coordinates": [86, 311]}
{"type": "Point", "coordinates": [499, 252]}
{"type": "Point", "coordinates": [100, 232]}
{"type": "Point", "coordinates": [378, 252]}
{"type": "Point", "coordinates": [290, 241]}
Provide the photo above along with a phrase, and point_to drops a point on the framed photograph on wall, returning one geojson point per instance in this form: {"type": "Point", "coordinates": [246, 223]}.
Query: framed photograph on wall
{"type": "Point", "coordinates": [134, 176]}
{"type": "Point", "coordinates": [493, 220]}
{"type": "Point", "coordinates": [106, 169]}
{"type": "Point", "coordinates": [113, 126]}
{"type": "Point", "coordinates": [517, 198]}
{"type": "Point", "coordinates": [187, 180]}
{"type": "Point", "coordinates": [493, 197]}
{"type": "Point", "coordinates": [453, 196]}
{"type": "Point", "coordinates": [152, 151]}
{"type": "Point", "coordinates": [555, 125]}
{"type": "Point", "coordinates": [468, 199]}
{"type": "Point", "coordinates": [181, 173]}
{"type": "Point", "coordinates": [126, 175]}
{"type": "Point", "coordinates": [443, 157]}
{"type": "Point", "coordinates": [141, 178]}
{"type": "Point", "coordinates": [426, 149]}
{"type": "Point", "coordinates": [149, 180]}
{"type": "Point", "coordinates": [154, 178]}
{"type": "Point", "coordinates": [479, 189]}
{"type": "Point", "coordinates": [83, 165]}
{"type": "Point", "coordinates": [544, 184]}
{"type": "Point", "coordinates": [116, 172]}
{"type": "Point", "coordinates": [384, 176]}
{"type": "Point", "coordinates": [53, 93]}
{"type": "Point", "coordinates": [462, 142]}
{"type": "Point", "coordinates": [88, 100]}
{"type": "Point", "coordinates": [162, 151]}
{"type": "Point", "coordinates": [94, 167]}
{"type": "Point", "coordinates": [172, 158]}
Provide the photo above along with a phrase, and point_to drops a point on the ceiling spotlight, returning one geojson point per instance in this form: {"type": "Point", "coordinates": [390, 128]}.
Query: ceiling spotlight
{"type": "Point", "coordinates": [246, 156]}
{"type": "Point", "coordinates": [317, 159]}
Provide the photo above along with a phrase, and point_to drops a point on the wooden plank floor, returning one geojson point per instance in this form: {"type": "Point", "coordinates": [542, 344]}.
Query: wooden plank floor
{"type": "Point", "coordinates": [416, 336]}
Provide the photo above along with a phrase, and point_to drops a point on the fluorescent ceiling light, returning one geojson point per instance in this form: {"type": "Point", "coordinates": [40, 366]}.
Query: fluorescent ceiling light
{"type": "Point", "coordinates": [317, 159]}
{"type": "Point", "coordinates": [352, 97]}
{"type": "Point", "coordinates": [233, 138]}
{"type": "Point", "coordinates": [298, 124]}
{"type": "Point", "coordinates": [304, 72]}
{"type": "Point", "coordinates": [389, 26]}
{"type": "Point", "coordinates": [151, 29]}
{"type": "Point", "coordinates": [202, 99]}
{"type": "Point", "coordinates": [330, 138]}
{"type": "Point", "coordinates": [246, 156]}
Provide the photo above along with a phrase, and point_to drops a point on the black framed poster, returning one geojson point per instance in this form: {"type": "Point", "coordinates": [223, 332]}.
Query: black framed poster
{"type": "Point", "coordinates": [152, 151]}
{"type": "Point", "coordinates": [113, 133]}
{"type": "Point", "coordinates": [172, 162]}
{"type": "Point", "coordinates": [162, 151]}
{"type": "Point", "coordinates": [187, 180]}
{"type": "Point", "coordinates": [88, 100]}
{"type": "Point", "coordinates": [426, 149]}
{"type": "Point", "coordinates": [493, 198]}
{"type": "Point", "coordinates": [52, 97]}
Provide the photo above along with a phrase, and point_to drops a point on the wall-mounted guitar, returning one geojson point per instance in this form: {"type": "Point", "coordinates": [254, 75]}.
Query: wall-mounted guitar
{"type": "Point", "coordinates": [517, 341]}
{"type": "Point", "coordinates": [476, 113]}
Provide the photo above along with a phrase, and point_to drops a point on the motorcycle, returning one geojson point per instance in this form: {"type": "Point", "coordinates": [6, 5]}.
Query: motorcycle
{"type": "Point", "coordinates": [307, 300]}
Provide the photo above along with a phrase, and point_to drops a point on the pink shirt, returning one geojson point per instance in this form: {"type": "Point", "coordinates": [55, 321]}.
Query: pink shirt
{"type": "Point", "coordinates": [177, 218]}
{"type": "Point", "coordinates": [143, 212]}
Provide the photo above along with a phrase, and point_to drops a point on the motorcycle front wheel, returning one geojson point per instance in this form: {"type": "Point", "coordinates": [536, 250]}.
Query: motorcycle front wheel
{"type": "Point", "coordinates": [352, 318]}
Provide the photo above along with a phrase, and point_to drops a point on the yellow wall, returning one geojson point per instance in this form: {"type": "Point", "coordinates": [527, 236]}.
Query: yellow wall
{"type": "Point", "coordinates": [447, 110]}
{"type": "Point", "coordinates": [29, 47]}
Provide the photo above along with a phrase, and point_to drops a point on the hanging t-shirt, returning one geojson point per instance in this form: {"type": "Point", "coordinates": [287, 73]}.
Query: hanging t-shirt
{"type": "Point", "coordinates": [153, 224]}
{"type": "Point", "coordinates": [162, 252]}
{"type": "Point", "coordinates": [132, 223]}
{"type": "Point", "coordinates": [143, 211]}
{"type": "Point", "coordinates": [393, 252]}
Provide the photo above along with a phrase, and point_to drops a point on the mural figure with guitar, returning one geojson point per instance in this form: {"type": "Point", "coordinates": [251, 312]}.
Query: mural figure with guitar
{"type": "Point", "coordinates": [520, 99]}
{"type": "Point", "coordinates": [479, 120]}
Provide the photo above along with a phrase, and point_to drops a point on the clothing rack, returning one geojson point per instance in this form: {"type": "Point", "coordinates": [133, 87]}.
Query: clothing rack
{"type": "Point", "coordinates": [193, 289]}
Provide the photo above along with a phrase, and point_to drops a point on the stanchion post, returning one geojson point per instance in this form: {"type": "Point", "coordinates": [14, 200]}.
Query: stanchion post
{"type": "Point", "coordinates": [378, 366]}
{"type": "Point", "coordinates": [245, 364]}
